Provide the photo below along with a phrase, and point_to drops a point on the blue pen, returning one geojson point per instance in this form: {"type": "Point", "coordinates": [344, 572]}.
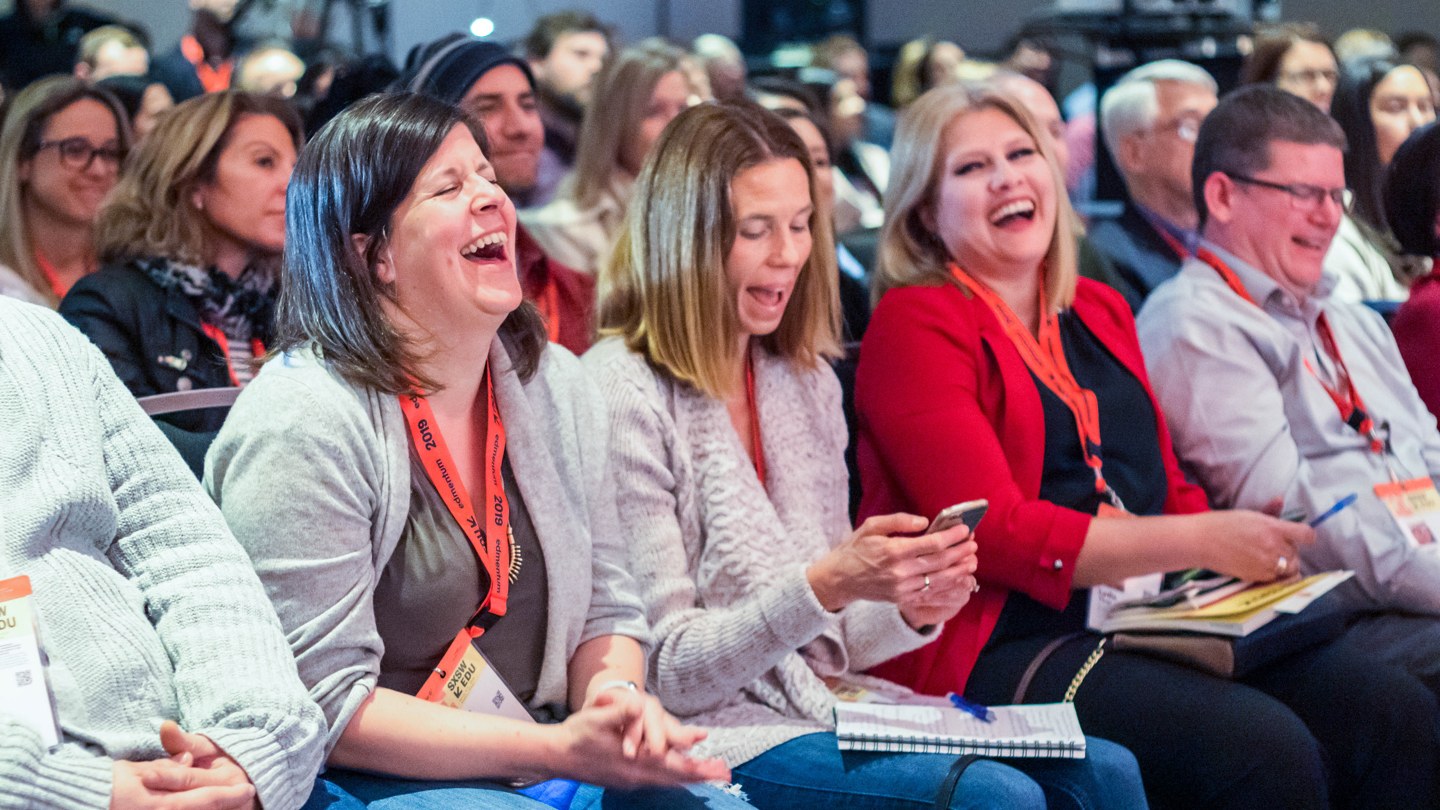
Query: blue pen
{"type": "Point", "coordinates": [1339, 507]}
{"type": "Point", "coordinates": [980, 712]}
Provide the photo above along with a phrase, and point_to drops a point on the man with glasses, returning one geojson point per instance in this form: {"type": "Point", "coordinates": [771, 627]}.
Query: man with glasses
{"type": "Point", "coordinates": [1149, 120]}
{"type": "Point", "coordinates": [1282, 398]}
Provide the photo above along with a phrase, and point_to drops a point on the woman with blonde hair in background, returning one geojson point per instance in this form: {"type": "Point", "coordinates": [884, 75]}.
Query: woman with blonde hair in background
{"type": "Point", "coordinates": [61, 147]}
{"type": "Point", "coordinates": [191, 239]}
{"type": "Point", "coordinates": [636, 95]}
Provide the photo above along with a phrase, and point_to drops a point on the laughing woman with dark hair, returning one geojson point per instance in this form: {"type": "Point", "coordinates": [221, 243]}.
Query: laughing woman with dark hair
{"type": "Point", "coordinates": [411, 378]}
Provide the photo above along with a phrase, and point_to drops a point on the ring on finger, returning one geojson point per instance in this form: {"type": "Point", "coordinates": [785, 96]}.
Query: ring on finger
{"type": "Point", "coordinates": [1281, 566]}
{"type": "Point", "coordinates": [926, 586]}
{"type": "Point", "coordinates": [974, 585]}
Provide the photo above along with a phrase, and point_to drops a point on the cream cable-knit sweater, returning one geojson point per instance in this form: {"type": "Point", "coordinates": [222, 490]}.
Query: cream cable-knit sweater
{"type": "Point", "coordinates": [149, 609]}
{"type": "Point", "coordinates": [741, 642]}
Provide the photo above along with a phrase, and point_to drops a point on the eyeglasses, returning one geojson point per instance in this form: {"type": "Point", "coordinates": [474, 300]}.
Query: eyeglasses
{"type": "Point", "coordinates": [77, 153]}
{"type": "Point", "coordinates": [1186, 127]}
{"type": "Point", "coordinates": [1303, 196]}
{"type": "Point", "coordinates": [1313, 76]}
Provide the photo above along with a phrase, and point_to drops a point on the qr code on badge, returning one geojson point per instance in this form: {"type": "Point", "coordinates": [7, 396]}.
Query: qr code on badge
{"type": "Point", "coordinates": [24, 678]}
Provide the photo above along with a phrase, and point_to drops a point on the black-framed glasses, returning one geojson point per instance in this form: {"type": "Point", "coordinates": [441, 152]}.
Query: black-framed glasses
{"type": "Point", "coordinates": [1303, 196]}
{"type": "Point", "coordinates": [78, 153]}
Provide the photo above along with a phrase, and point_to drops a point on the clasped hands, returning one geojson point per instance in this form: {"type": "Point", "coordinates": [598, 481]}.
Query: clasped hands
{"type": "Point", "coordinates": [624, 738]}
{"type": "Point", "coordinates": [198, 775]}
{"type": "Point", "coordinates": [929, 577]}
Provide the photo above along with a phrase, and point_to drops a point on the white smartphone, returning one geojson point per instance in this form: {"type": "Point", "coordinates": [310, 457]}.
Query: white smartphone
{"type": "Point", "coordinates": [969, 513]}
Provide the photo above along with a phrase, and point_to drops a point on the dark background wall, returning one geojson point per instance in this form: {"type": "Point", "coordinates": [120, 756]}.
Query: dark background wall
{"type": "Point", "coordinates": [978, 25]}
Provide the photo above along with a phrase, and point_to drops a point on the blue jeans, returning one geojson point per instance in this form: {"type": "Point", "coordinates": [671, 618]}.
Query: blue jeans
{"type": "Point", "coordinates": [340, 789]}
{"type": "Point", "coordinates": [812, 772]}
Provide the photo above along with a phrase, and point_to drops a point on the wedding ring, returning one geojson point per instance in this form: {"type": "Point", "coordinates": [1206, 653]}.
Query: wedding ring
{"type": "Point", "coordinates": [926, 586]}
{"type": "Point", "coordinates": [1281, 566]}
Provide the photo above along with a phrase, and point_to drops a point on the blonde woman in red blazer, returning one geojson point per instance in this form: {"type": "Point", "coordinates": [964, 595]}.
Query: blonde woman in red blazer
{"type": "Point", "coordinates": [990, 372]}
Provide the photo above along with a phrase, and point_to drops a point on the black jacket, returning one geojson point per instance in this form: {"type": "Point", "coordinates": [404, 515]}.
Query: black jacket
{"type": "Point", "coordinates": [151, 336]}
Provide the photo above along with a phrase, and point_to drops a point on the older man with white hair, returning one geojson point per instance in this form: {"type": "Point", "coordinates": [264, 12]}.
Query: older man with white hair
{"type": "Point", "coordinates": [1149, 120]}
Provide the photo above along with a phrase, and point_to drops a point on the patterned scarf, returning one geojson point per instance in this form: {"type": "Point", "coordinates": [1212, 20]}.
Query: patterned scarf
{"type": "Point", "coordinates": [243, 308]}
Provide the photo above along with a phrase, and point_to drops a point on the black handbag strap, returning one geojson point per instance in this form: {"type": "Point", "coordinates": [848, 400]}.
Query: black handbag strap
{"type": "Point", "coordinates": [946, 793]}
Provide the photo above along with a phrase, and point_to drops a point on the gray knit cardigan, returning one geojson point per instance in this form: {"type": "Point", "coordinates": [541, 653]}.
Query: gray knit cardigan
{"type": "Point", "coordinates": [741, 642]}
{"type": "Point", "coordinates": [149, 609]}
{"type": "Point", "coordinates": [313, 475]}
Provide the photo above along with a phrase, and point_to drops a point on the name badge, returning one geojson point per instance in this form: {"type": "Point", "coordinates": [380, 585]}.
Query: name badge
{"type": "Point", "coordinates": [465, 679]}
{"type": "Point", "coordinates": [1415, 506]}
{"type": "Point", "coordinates": [24, 692]}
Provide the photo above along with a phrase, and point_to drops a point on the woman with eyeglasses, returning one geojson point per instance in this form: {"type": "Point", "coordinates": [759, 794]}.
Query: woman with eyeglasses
{"type": "Point", "coordinates": [1296, 58]}
{"type": "Point", "coordinates": [191, 241]}
{"type": "Point", "coordinates": [60, 152]}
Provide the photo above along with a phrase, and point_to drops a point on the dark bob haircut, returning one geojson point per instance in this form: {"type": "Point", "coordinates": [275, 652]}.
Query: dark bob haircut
{"type": "Point", "coordinates": [350, 180]}
{"type": "Point", "coordinates": [1412, 192]}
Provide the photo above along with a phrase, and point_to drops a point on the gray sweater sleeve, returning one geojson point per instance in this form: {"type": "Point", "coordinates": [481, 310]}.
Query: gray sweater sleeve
{"type": "Point", "coordinates": [31, 778]}
{"type": "Point", "coordinates": [293, 471]}
{"type": "Point", "coordinates": [234, 678]}
{"type": "Point", "coordinates": [704, 655]}
{"type": "Point", "coordinates": [615, 608]}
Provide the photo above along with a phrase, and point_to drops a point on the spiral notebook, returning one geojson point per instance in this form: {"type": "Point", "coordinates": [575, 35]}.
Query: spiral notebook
{"type": "Point", "coordinates": [1040, 731]}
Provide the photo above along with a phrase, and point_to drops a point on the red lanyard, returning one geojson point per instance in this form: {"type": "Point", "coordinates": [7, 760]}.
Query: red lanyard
{"type": "Point", "coordinates": [1181, 252]}
{"type": "Point", "coordinates": [493, 548]}
{"type": "Point", "coordinates": [1045, 357]}
{"type": "Point", "coordinates": [217, 334]}
{"type": "Point", "coordinates": [1346, 397]}
{"type": "Point", "coordinates": [757, 447]}
{"type": "Point", "coordinates": [548, 303]}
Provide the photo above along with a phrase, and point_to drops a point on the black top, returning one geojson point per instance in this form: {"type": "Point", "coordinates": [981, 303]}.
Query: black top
{"type": "Point", "coordinates": [152, 337]}
{"type": "Point", "coordinates": [1130, 449]}
{"type": "Point", "coordinates": [1130, 440]}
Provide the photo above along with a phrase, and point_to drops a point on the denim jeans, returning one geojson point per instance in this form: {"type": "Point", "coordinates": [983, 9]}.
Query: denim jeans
{"type": "Point", "coordinates": [349, 790]}
{"type": "Point", "coordinates": [812, 772]}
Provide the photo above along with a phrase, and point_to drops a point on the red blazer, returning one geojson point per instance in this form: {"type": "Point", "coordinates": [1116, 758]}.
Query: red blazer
{"type": "Point", "coordinates": [948, 412]}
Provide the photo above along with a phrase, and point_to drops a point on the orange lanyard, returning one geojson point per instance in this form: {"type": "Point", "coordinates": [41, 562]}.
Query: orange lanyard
{"type": "Point", "coordinates": [1345, 396]}
{"type": "Point", "coordinates": [213, 79]}
{"type": "Point", "coordinates": [549, 305]}
{"type": "Point", "coordinates": [217, 334]}
{"type": "Point", "coordinates": [757, 447]}
{"type": "Point", "coordinates": [52, 276]}
{"type": "Point", "coordinates": [490, 537]}
{"type": "Point", "coordinates": [1044, 355]}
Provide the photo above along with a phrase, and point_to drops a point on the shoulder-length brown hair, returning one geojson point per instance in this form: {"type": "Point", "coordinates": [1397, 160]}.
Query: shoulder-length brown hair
{"type": "Point", "coordinates": [20, 139]}
{"type": "Point", "coordinates": [665, 289]}
{"type": "Point", "coordinates": [911, 253]}
{"type": "Point", "coordinates": [149, 212]}
{"type": "Point", "coordinates": [617, 109]}
{"type": "Point", "coordinates": [349, 181]}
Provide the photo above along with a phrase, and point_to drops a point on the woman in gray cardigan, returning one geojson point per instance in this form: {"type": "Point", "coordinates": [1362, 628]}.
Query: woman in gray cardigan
{"type": "Point", "coordinates": [413, 378]}
{"type": "Point", "coordinates": [728, 443]}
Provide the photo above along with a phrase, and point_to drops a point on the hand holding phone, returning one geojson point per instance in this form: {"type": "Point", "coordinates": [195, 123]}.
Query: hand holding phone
{"type": "Point", "coordinates": [970, 513]}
